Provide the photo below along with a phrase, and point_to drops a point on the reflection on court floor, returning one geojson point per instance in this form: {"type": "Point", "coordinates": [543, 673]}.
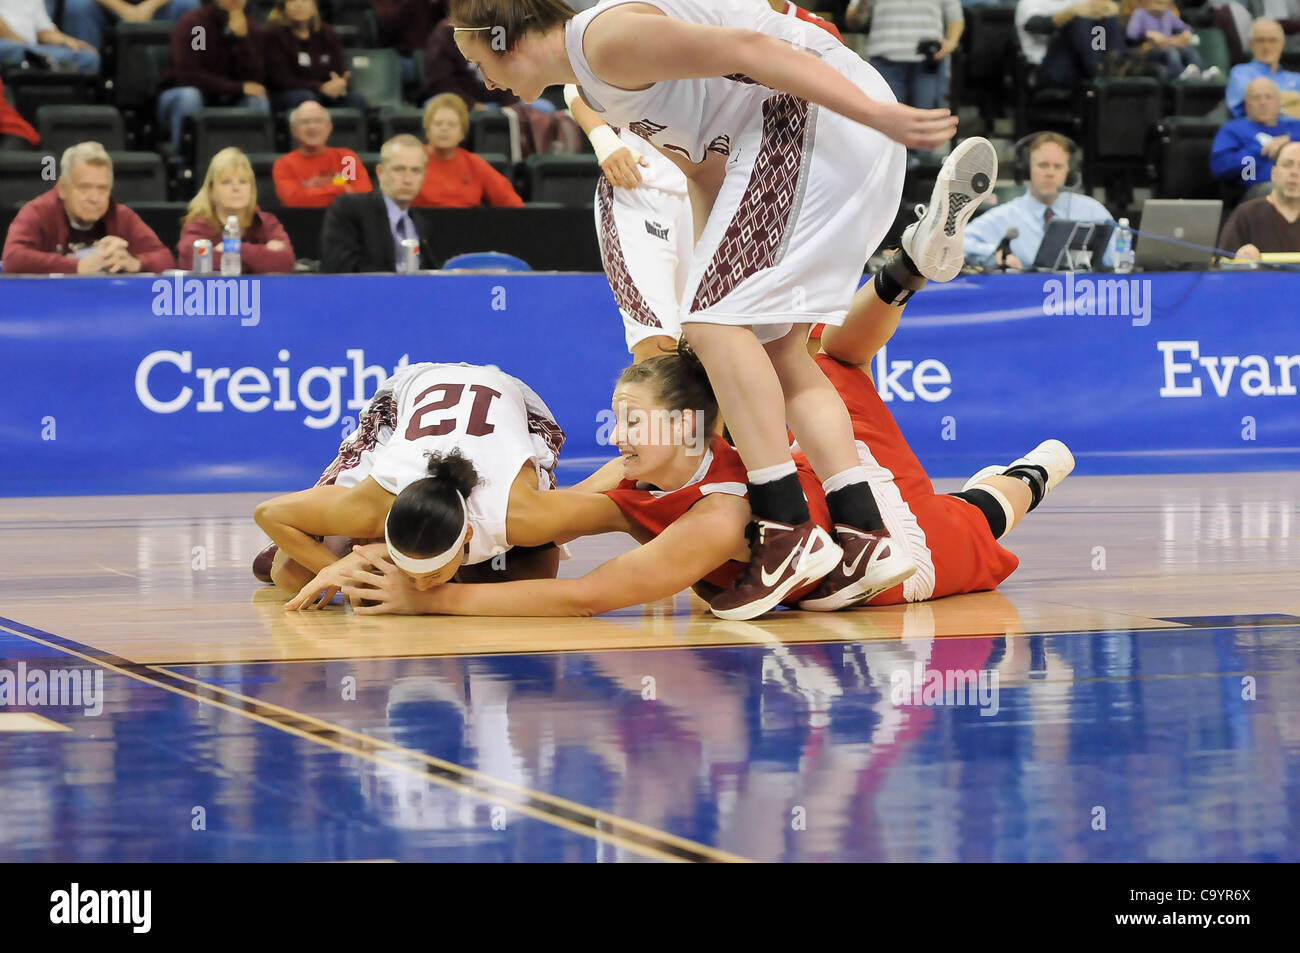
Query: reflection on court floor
{"type": "Point", "coordinates": [1148, 711]}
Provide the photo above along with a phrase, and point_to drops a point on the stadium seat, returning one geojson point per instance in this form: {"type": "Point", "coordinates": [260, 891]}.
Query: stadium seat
{"type": "Point", "coordinates": [143, 53]}
{"type": "Point", "coordinates": [214, 129]}
{"type": "Point", "coordinates": [489, 131]}
{"type": "Point", "coordinates": [63, 126]}
{"type": "Point", "coordinates": [263, 163]}
{"type": "Point", "coordinates": [990, 44]}
{"type": "Point", "coordinates": [1182, 158]}
{"type": "Point", "coordinates": [376, 76]}
{"type": "Point", "coordinates": [356, 16]}
{"type": "Point", "coordinates": [371, 161]}
{"type": "Point", "coordinates": [500, 163]}
{"type": "Point", "coordinates": [1120, 113]}
{"type": "Point", "coordinates": [1213, 47]}
{"type": "Point", "coordinates": [25, 175]}
{"type": "Point", "coordinates": [164, 218]}
{"type": "Point", "coordinates": [139, 177]}
{"type": "Point", "coordinates": [29, 90]}
{"type": "Point", "coordinates": [1196, 97]}
{"type": "Point", "coordinates": [570, 179]}
{"type": "Point", "coordinates": [486, 261]}
{"type": "Point", "coordinates": [350, 130]}
{"type": "Point", "coordinates": [394, 120]}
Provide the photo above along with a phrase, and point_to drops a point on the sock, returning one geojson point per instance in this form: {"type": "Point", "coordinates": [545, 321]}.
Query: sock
{"type": "Point", "coordinates": [995, 507]}
{"type": "Point", "coordinates": [1034, 476]}
{"type": "Point", "coordinates": [898, 280]}
{"type": "Point", "coordinates": [854, 505]}
{"type": "Point", "coordinates": [775, 494]}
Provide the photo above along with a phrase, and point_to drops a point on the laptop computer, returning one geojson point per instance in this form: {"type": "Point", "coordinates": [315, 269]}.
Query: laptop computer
{"type": "Point", "coordinates": [1194, 221]}
{"type": "Point", "coordinates": [1065, 243]}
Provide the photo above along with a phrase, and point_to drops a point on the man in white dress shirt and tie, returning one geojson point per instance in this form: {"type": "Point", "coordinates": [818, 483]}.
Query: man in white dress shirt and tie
{"type": "Point", "coordinates": [1045, 200]}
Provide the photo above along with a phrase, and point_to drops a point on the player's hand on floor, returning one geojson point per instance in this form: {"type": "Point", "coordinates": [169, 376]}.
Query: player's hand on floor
{"type": "Point", "coordinates": [377, 587]}
{"type": "Point", "coordinates": [915, 128]}
{"type": "Point", "coordinates": [318, 593]}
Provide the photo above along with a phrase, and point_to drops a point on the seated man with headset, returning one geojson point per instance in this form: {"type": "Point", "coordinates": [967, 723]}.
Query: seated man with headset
{"type": "Point", "coordinates": [1049, 160]}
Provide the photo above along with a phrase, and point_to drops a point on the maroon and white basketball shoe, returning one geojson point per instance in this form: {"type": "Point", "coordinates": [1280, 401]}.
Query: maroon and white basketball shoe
{"type": "Point", "coordinates": [782, 559]}
{"type": "Point", "coordinates": [872, 563]}
{"type": "Point", "coordinates": [934, 240]}
{"type": "Point", "coordinates": [262, 563]}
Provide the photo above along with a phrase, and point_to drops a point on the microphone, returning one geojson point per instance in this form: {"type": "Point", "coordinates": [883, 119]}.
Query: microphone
{"type": "Point", "coordinates": [1004, 247]}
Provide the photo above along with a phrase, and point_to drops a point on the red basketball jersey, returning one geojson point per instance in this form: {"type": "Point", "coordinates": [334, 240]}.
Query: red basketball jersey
{"type": "Point", "coordinates": [721, 471]}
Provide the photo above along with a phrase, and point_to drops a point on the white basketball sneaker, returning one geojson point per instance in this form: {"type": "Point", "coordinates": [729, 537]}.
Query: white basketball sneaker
{"type": "Point", "coordinates": [1052, 455]}
{"type": "Point", "coordinates": [934, 240]}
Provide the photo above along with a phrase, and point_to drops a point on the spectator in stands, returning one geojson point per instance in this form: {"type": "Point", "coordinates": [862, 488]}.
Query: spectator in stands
{"type": "Point", "coordinates": [364, 232]}
{"type": "Point", "coordinates": [900, 30]}
{"type": "Point", "coordinates": [1270, 223]}
{"type": "Point", "coordinates": [78, 228]}
{"type": "Point", "coordinates": [28, 34]}
{"type": "Point", "coordinates": [304, 59]}
{"type": "Point", "coordinates": [456, 177]}
{"type": "Point", "coordinates": [405, 26]}
{"type": "Point", "coordinates": [89, 19]}
{"type": "Point", "coordinates": [1044, 200]}
{"type": "Point", "coordinates": [314, 174]}
{"type": "Point", "coordinates": [226, 71]}
{"type": "Point", "coordinates": [230, 188]}
{"type": "Point", "coordinates": [1168, 41]}
{"type": "Point", "coordinates": [1245, 149]}
{"type": "Point", "coordinates": [15, 131]}
{"type": "Point", "coordinates": [1059, 38]}
{"type": "Point", "coordinates": [1266, 41]}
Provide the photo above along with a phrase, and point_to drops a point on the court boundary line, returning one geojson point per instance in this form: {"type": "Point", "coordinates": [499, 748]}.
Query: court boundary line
{"type": "Point", "coordinates": [569, 815]}
{"type": "Point", "coordinates": [1050, 633]}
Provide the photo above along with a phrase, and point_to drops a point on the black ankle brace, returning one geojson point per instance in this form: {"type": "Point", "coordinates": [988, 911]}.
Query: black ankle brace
{"type": "Point", "coordinates": [898, 280]}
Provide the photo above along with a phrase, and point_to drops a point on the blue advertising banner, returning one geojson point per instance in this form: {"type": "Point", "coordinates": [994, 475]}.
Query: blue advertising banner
{"type": "Point", "coordinates": [175, 384]}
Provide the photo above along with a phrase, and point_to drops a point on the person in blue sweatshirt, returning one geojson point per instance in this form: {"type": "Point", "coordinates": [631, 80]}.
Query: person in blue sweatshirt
{"type": "Point", "coordinates": [1244, 149]}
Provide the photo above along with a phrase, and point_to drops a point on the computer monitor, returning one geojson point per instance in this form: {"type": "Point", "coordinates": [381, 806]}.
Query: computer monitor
{"type": "Point", "coordinates": [1194, 221]}
{"type": "Point", "coordinates": [1073, 246]}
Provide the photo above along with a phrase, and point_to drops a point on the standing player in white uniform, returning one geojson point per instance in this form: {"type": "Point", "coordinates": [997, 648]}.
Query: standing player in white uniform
{"type": "Point", "coordinates": [441, 454]}
{"type": "Point", "coordinates": [793, 151]}
{"type": "Point", "coordinates": [643, 225]}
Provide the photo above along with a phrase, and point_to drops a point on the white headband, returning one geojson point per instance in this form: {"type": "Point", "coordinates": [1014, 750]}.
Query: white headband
{"type": "Point", "coordinates": [418, 567]}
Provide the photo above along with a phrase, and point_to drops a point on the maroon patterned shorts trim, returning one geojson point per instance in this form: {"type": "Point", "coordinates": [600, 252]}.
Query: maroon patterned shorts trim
{"type": "Point", "coordinates": [758, 227]}
{"type": "Point", "coordinates": [381, 413]}
{"type": "Point", "coordinates": [626, 294]}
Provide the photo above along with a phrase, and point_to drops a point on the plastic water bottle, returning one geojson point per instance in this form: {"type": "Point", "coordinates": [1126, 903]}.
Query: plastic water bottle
{"type": "Point", "coordinates": [230, 245]}
{"type": "Point", "coordinates": [1124, 248]}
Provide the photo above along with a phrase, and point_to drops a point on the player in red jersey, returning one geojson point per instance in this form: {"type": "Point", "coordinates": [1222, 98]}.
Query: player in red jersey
{"type": "Point", "coordinates": [689, 509]}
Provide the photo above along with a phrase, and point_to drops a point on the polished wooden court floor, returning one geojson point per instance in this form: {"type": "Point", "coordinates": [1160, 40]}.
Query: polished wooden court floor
{"type": "Point", "coordinates": [1141, 607]}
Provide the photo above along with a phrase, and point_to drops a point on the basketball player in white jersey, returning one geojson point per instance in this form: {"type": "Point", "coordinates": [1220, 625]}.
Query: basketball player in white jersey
{"type": "Point", "coordinates": [793, 149]}
{"type": "Point", "coordinates": [441, 455]}
{"type": "Point", "coordinates": [643, 225]}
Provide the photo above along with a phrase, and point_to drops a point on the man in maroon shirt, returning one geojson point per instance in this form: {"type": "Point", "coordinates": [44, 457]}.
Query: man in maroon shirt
{"type": "Point", "coordinates": [1270, 223]}
{"type": "Point", "coordinates": [216, 61]}
{"type": "Point", "coordinates": [77, 228]}
{"type": "Point", "coordinates": [404, 25]}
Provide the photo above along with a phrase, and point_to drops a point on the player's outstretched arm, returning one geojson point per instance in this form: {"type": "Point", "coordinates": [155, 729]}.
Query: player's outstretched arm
{"type": "Point", "coordinates": [634, 49]}
{"type": "Point", "coordinates": [295, 519]}
{"type": "Point", "coordinates": [536, 517]}
{"type": "Point", "coordinates": [712, 532]}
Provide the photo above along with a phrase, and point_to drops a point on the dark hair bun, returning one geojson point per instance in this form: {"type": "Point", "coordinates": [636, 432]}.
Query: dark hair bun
{"type": "Point", "coordinates": [452, 468]}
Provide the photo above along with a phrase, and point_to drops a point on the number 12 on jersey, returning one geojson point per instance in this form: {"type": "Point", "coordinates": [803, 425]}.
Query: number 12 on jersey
{"type": "Point", "coordinates": [451, 394]}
